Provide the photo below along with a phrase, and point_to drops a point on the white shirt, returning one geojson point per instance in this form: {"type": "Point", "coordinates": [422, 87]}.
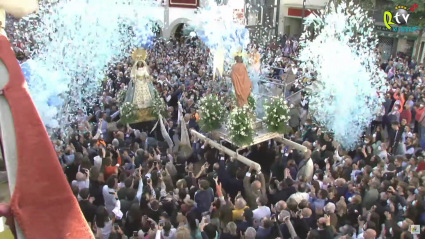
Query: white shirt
{"type": "Point", "coordinates": [360, 236]}
{"type": "Point", "coordinates": [106, 230]}
{"type": "Point", "coordinates": [260, 213]}
{"type": "Point", "coordinates": [383, 155]}
{"type": "Point", "coordinates": [81, 184]}
{"type": "Point", "coordinates": [97, 162]}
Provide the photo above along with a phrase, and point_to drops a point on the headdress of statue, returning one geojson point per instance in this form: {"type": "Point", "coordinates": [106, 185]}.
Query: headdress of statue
{"type": "Point", "coordinates": [238, 52]}
{"type": "Point", "coordinates": [139, 54]}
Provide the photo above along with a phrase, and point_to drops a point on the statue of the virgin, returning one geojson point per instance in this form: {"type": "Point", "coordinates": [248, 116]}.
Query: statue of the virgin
{"type": "Point", "coordinates": [141, 90]}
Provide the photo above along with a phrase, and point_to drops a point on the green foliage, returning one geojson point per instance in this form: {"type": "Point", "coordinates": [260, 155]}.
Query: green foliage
{"type": "Point", "coordinates": [276, 116]}
{"type": "Point", "coordinates": [158, 105]}
{"type": "Point", "coordinates": [251, 101]}
{"type": "Point", "coordinates": [361, 24]}
{"type": "Point", "coordinates": [211, 113]}
{"type": "Point", "coordinates": [128, 113]}
{"type": "Point", "coordinates": [121, 96]}
{"type": "Point", "coordinates": [241, 126]}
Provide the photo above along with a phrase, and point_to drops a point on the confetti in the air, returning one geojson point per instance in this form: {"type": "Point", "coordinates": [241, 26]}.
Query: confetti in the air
{"type": "Point", "coordinates": [74, 43]}
{"type": "Point", "coordinates": [215, 26]}
{"type": "Point", "coordinates": [349, 83]}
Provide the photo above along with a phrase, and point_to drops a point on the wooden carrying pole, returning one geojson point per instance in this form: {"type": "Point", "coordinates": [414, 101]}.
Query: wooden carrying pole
{"type": "Point", "coordinates": [292, 144]}
{"type": "Point", "coordinates": [227, 151]}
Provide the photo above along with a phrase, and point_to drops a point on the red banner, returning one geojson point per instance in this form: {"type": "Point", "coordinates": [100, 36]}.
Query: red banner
{"type": "Point", "coordinates": [184, 3]}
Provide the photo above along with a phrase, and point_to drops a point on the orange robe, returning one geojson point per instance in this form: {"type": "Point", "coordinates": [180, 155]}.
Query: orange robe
{"type": "Point", "coordinates": [241, 83]}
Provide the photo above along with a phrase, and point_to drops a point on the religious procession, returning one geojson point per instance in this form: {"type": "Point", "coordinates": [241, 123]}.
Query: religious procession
{"type": "Point", "coordinates": [110, 127]}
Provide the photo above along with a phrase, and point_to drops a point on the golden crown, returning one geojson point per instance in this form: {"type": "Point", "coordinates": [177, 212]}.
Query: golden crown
{"type": "Point", "coordinates": [139, 54]}
{"type": "Point", "coordinates": [238, 52]}
{"type": "Point", "coordinates": [400, 7]}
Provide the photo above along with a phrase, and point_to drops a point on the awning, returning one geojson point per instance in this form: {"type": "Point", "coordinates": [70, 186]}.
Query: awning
{"type": "Point", "coordinates": [298, 12]}
{"type": "Point", "coordinates": [385, 32]}
{"type": "Point", "coordinates": [397, 35]}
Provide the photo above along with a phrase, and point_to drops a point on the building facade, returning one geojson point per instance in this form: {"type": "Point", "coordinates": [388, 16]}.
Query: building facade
{"type": "Point", "coordinates": [267, 18]}
{"type": "Point", "coordinates": [391, 43]}
{"type": "Point", "coordinates": [290, 20]}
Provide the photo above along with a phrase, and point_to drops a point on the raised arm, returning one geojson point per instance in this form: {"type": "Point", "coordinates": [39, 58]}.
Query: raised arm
{"type": "Point", "coordinates": [263, 182]}
{"type": "Point", "coordinates": [140, 188]}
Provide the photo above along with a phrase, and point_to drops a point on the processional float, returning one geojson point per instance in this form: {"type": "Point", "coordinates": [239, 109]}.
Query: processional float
{"type": "Point", "coordinates": [242, 88]}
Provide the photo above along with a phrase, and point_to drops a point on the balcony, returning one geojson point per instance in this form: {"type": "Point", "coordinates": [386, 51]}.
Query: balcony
{"type": "Point", "coordinates": [310, 4]}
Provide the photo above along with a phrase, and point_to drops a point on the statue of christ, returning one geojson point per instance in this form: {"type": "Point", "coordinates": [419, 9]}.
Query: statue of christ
{"type": "Point", "coordinates": [240, 80]}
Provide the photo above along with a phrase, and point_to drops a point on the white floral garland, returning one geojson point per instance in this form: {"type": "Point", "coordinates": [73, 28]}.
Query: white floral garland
{"type": "Point", "coordinates": [240, 126]}
{"type": "Point", "coordinates": [251, 101]}
{"type": "Point", "coordinates": [158, 105]}
{"type": "Point", "coordinates": [211, 113]}
{"type": "Point", "coordinates": [121, 96]}
{"type": "Point", "coordinates": [276, 115]}
{"type": "Point", "coordinates": [128, 112]}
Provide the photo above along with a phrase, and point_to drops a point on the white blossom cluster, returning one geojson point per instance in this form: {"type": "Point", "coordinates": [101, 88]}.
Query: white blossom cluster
{"type": "Point", "coordinates": [211, 112]}
{"type": "Point", "coordinates": [343, 57]}
{"type": "Point", "coordinates": [158, 105]}
{"type": "Point", "coordinates": [121, 96]}
{"type": "Point", "coordinates": [276, 115]}
{"type": "Point", "coordinates": [128, 110]}
{"type": "Point", "coordinates": [240, 125]}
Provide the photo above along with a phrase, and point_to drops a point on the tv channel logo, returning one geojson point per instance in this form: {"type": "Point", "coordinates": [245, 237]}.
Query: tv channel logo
{"type": "Point", "coordinates": [399, 17]}
{"type": "Point", "coordinates": [415, 229]}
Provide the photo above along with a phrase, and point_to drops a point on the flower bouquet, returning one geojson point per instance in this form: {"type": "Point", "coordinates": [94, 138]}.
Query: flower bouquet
{"type": "Point", "coordinates": [128, 112]}
{"type": "Point", "coordinates": [158, 105]}
{"type": "Point", "coordinates": [211, 113]}
{"type": "Point", "coordinates": [121, 96]}
{"type": "Point", "coordinates": [276, 116]}
{"type": "Point", "coordinates": [251, 101]}
{"type": "Point", "coordinates": [241, 126]}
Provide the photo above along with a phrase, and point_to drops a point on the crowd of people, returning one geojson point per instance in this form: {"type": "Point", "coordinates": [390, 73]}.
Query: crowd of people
{"type": "Point", "coordinates": [129, 184]}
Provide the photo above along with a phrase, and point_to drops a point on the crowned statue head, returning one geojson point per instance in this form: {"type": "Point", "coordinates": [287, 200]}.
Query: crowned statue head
{"type": "Point", "coordinates": [238, 55]}
{"type": "Point", "coordinates": [139, 56]}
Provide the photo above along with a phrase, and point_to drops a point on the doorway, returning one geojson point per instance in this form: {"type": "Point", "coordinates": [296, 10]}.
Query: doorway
{"type": "Point", "coordinates": [421, 53]}
{"type": "Point", "coordinates": [179, 31]}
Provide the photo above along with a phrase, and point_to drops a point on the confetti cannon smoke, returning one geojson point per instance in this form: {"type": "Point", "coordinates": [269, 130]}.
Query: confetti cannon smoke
{"type": "Point", "coordinates": [349, 83]}
{"type": "Point", "coordinates": [214, 25]}
{"type": "Point", "coordinates": [75, 40]}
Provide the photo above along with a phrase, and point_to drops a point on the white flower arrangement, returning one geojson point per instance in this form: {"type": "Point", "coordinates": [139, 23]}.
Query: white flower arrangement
{"type": "Point", "coordinates": [251, 101]}
{"type": "Point", "coordinates": [211, 113]}
{"type": "Point", "coordinates": [128, 112]}
{"type": "Point", "coordinates": [158, 105]}
{"type": "Point", "coordinates": [276, 115]}
{"type": "Point", "coordinates": [121, 96]}
{"type": "Point", "coordinates": [240, 126]}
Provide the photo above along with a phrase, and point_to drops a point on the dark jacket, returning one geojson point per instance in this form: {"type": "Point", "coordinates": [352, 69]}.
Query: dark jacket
{"type": "Point", "coordinates": [263, 233]}
{"type": "Point", "coordinates": [88, 210]}
{"type": "Point", "coordinates": [284, 194]}
{"type": "Point", "coordinates": [242, 226]}
{"type": "Point", "coordinates": [229, 184]}
{"type": "Point", "coordinates": [252, 196]}
{"type": "Point", "coordinates": [122, 193]}
{"type": "Point", "coordinates": [228, 236]}
{"type": "Point", "coordinates": [95, 190]}
{"type": "Point", "coordinates": [203, 199]}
